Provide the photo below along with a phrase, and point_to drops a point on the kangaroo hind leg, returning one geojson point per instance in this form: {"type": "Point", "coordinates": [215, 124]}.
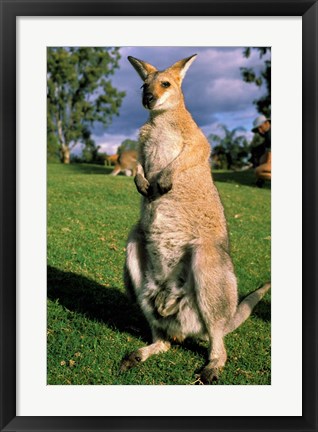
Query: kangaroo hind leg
{"type": "Point", "coordinates": [216, 295]}
{"type": "Point", "coordinates": [134, 268]}
{"type": "Point", "coordinates": [134, 277]}
{"type": "Point", "coordinates": [159, 345]}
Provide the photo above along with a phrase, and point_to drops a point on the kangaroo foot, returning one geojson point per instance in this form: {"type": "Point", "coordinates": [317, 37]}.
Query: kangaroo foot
{"type": "Point", "coordinates": [130, 361]}
{"type": "Point", "coordinates": [210, 375]}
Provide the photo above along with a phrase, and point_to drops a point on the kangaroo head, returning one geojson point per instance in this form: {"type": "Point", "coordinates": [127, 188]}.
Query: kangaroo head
{"type": "Point", "coordinates": [161, 89]}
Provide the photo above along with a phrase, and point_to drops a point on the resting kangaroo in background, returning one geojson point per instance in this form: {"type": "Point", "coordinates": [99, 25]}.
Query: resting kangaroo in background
{"type": "Point", "coordinates": [178, 265]}
{"type": "Point", "coordinates": [127, 161]}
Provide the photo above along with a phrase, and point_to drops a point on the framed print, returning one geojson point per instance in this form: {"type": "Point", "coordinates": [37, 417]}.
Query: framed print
{"type": "Point", "coordinates": [60, 363]}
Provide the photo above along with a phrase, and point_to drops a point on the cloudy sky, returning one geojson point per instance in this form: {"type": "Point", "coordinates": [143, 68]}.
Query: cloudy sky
{"type": "Point", "coordinates": [213, 87]}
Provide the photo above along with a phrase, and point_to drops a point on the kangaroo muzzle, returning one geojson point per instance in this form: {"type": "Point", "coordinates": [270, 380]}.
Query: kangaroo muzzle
{"type": "Point", "coordinates": [149, 100]}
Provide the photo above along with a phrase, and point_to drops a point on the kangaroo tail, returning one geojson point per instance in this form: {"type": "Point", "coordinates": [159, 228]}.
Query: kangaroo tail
{"type": "Point", "coordinates": [245, 308]}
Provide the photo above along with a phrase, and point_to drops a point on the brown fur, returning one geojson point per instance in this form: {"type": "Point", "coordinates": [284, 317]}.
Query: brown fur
{"type": "Point", "coordinates": [178, 265]}
{"type": "Point", "coordinates": [126, 161]}
{"type": "Point", "coordinates": [111, 159]}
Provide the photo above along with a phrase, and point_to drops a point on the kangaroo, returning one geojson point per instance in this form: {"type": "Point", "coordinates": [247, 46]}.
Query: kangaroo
{"type": "Point", "coordinates": [178, 265]}
{"type": "Point", "coordinates": [126, 161]}
{"type": "Point", "coordinates": [111, 160]}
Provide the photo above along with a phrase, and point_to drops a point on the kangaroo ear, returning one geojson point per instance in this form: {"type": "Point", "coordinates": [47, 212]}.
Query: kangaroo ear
{"type": "Point", "coordinates": [180, 68]}
{"type": "Point", "coordinates": [143, 68]}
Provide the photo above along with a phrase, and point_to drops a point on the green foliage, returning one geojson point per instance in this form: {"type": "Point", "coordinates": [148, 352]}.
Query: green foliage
{"type": "Point", "coordinates": [91, 322]}
{"type": "Point", "coordinates": [230, 149]}
{"type": "Point", "coordinates": [90, 155]}
{"type": "Point", "coordinates": [90, 150]}
{"type": "Point", "coordinates": [80, 93]}
{"type": "Point", "coordinates": [263, 104]}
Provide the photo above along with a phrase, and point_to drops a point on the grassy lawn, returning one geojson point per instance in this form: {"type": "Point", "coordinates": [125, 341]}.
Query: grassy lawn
{"type": "Point", "coordinates": [91, 323]}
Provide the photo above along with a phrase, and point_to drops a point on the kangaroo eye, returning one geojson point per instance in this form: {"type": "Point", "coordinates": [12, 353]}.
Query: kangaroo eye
{"type": "Point", "coordinates": [165, 84]}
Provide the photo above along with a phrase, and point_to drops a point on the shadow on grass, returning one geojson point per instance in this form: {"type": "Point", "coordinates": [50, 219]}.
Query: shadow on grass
{"type": "Point", "coordinates": [108, 305]}
{"type": "Point", "coordinates": [263, 310]}
{"type": "Point", "coordinates": [245, 178]}
{"type": "Point", "coordinates": [105, 304]}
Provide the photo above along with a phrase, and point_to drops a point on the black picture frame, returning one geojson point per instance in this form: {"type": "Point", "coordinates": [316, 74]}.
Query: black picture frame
{"type": "Point", "coordinates": [10, 10]}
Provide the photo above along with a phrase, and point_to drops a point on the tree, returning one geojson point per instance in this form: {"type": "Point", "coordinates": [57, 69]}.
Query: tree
{"type": "Point", "coordinates": [127, 144]}
{"type": "Point", "coordinates": [80, 93]}
{"type": "Point", "coordinates": [249, 75]}
{"type": "Point", "coordinates": [230, 148]}
{"type": "Point", "coordinates": [90, 150]}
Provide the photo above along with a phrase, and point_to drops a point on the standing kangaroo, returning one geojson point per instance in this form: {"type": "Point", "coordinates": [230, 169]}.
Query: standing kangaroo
{"type": "Point", "coordinates": [178, 265]}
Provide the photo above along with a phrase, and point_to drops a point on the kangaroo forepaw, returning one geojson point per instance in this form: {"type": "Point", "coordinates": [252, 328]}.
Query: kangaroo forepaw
{"type": "Point", "coordinates": [130, 361]}
{"type": "Point", "coordinates": [142, 184]}
{"type": "Point", "coordinates": [164, 183]}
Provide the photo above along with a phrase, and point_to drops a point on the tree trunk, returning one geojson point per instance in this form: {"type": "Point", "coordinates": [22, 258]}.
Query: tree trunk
{"type": "Point", "coordinates": [65, 151]}
{"type": "Point", "coordinates": [66, 154]}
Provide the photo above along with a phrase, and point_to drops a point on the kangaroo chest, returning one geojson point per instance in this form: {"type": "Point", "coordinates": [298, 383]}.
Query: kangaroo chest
{"type": "Point", "coordinates": [160, 145]}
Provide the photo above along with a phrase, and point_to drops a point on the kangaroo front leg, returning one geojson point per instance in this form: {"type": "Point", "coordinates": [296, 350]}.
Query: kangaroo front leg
{"type": "Point", "coordinates": [141, 182]}
{"type": "Point", "coordinates": [142, 354]}
{"type": "Point", "coordinates": [165, 181]}
{"type": "Point", "coordinates": [191, 155]}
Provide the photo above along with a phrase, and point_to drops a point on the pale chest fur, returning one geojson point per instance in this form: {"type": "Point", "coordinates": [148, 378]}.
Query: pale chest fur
{"type": "Point", "coordinates": [160, 145]}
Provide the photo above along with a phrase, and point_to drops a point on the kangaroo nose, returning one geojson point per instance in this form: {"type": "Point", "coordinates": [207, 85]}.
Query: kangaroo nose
{"type": "Point", "coordinates": [149, 97]}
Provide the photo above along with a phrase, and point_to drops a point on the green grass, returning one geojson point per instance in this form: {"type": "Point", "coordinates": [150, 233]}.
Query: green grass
{"type": "Point", "coordinates": [91, 323]}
